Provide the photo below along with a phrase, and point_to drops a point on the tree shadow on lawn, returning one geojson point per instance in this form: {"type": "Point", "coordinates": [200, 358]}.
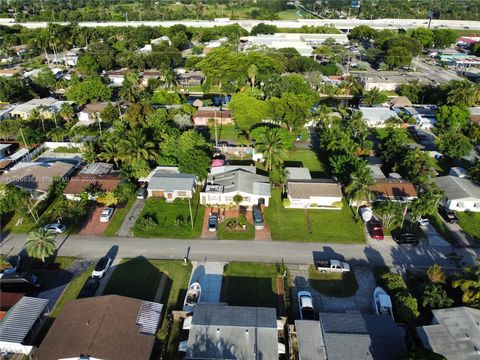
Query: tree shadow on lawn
{"type": "Point", "coordinates": [137, 278]}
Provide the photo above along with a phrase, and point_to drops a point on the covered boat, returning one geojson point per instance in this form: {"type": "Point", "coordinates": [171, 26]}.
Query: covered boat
{"type": "Point", "coordinates": [382, 302]}
{"type": "Point", "coordinates": [193, 296]}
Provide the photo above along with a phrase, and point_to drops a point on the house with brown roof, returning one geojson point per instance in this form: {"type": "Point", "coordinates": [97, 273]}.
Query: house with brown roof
{"type": "Point", "coordinates": [82, 181]}
{"type": "Point", "coordinates": [204, 114]}
{"type": "Point", "coordinates": [9, 72]}
{"type": "Point", "coordinates": [314, 194]}
{"type": "Point", "coordinates": [393, 189]}
{"type": "Point", "coordinates": [102, 327]}
{"type": "Point", "coordinates": [116, 77]}
{"type": "Point", "coordinates": [190, 78]}
{"type": "Point", "coordinates": [90, 113]}
{"type": "Point", "coordinates": [36, 177]}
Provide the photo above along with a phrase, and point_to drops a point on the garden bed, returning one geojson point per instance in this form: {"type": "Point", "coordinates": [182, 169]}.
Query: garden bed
{"type": "Point", "coordinates": [227, 230]}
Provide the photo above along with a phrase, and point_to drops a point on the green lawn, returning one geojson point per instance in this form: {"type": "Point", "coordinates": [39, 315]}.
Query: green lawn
{"type": "Point", "coordinates": [71, 291]}
{"type": "Point", "coordinates": [224, 234]}
{"type": "Point", "coordinates": [470, 223]}
{"type": "Point", "coordinates": [291, 14]}
{"type": "Point", "coordinates": [251, 284]}
{"type": "Point", "coordinates": [306, 158]}
{"type": "Point", "coordinates": [164, 219]}
{"type": "Point", "coordinates": [441, 227]}
{"type": "Point", "coordinates": [333, 284]}
{"type": "Point", "coordinates": [381, 134]}
{"type": "Point", "coordinates": [118, 217]}
{"type": "Point", "coordinates": [335, 226]}
{"type": "Point", "coordinates": [225, 132]}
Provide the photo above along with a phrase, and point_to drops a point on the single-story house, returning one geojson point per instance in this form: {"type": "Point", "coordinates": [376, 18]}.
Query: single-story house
{"type": "Point", "coordinates": [204, 114]}
{"type": "Point", "coordinates": [36, 177]}
{"type": "Point", "coordinates": [399, 102]}
{"type": "Point", "coordinates": [98, 168]}
{"type": "Point", "coordinates": [425, 115]}
{"type": "Point", "coordinates": [90, 113]}
{"type": "Point", "coordinates": [5, 111]}
{"type": "Point", "coordinates": [24, 110]}
{"type": "Point", "coordinates": [226, 168]}
{"type": "Point", "coordinates": [10, 72]}
{"type": "Point", "coordinates": [18, 325]}
{"type": "Point", "coordinates": [190, 78]}
{"type": "Point", "coordinates": [376, 116]}
{"type": "Point", "coordinates": [102, 327]}
{"type": "Point", "coordinates": [393, 189]}
{"type": "Point", "coordinates": [161, 39]}
{"type": "Point", "coordinates": [171, 185]}
{"type": "Point", "coordinates": [314, 194]}
{"type": "Point", "coordinates": [461, 194]}
{"type": "Point", "coordinates": [222, 187]}
{"type": "Point", "coordinates": [82, 181]}
{"type": "Point", "coordinates": [116, 77]}
{"type": "Point", "coordinates": [357, 336]}
{"type": "Point", "coordinates": [218, 331]}
{"type": "Point", "coordinates": [151, 74]}
{"type": "Point", "coordinates": [454, 333]}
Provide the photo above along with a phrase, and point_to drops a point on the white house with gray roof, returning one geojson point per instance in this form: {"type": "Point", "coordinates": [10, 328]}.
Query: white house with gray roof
{"type": "Point", "coordinates": [171, 185]}
{"type": "Point", "coordinates": [454, 333]}
{"type": "Point", "coordinates": [218, 331]}
{"type": "Point", "coordinates": [461, 194]}
{"type": "Point", "coordinates": [377, 116]}
{"type": "Point", "coordinates": [222, 187]}
{"type": "Point", "coordinates": [314, 194]}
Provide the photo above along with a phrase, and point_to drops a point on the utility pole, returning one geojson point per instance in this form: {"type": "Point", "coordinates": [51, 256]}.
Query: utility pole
{"type": "Point", "coordinates": [216, 133]}
{"type": "Point", "coordinates": [23, 137]}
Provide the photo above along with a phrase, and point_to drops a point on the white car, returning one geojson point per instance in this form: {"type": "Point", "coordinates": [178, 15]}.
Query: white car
{"type": "Point", "coordinates": [101, 268]}
{"type": "Point", "coordinates": [423, 222]}
{"type": "Point", "coordinates": [106, 215]}
{"type": "Point", "coordinates": [305, 304]}
{"type": "Point", "coordinates": [56, 228]}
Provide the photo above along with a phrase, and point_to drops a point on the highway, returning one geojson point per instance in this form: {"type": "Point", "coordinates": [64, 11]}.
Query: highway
{"type": "Point", "coordinates": [343, 24]}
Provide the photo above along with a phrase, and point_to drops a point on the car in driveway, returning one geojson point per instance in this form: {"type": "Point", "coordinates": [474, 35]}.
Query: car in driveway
{"type": "Point", "coordinates": [305, 305]}
{"type": "Point", "coordinates": [448, 215]}
{"type": "Point", "coordinates": [90, 288]}
{"type": "Point", "coordinates": [405, 238]}
{"type": "Point", "coordinates": [142, 193]}
{"type": "Point", "coordinates": [212, 222]}
{"type": "Point", "coordinates": [257, 217]}
{"type": "Point", "coordinates": [423, 221]}
{"type": "Point", "coordinates": [375, 229]}
{"type": "Point", "coordinates": [56, 228]}
{"type": "Point", "coordinates": [106, 214]}
{"type": "Point", "coordinates": [102, 267]}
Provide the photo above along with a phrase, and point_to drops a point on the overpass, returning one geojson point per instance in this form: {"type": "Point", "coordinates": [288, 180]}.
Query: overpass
{"type": "Point", "coordinates": [342, 24]}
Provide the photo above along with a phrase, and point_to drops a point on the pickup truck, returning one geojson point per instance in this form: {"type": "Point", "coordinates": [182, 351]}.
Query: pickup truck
{"type": "Point", "coordinates": [332, 266]}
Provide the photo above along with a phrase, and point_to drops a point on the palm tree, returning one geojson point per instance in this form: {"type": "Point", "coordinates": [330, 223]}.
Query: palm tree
{"type": "Point", "coordinates": [170, 78]}
{"type": "Point", "coordinates": [67, 112]}
{"type": "Point", "coordinates": [252, 74]}
{"type": "Point", "coordinates": [110, 151]}
{"type": "Point", "coordinates": [350, 86]}
{"type": "Point", "coordinates": [435, 297]}
{"type": "Point", "coordinates": [372, 97]}
{"type": "Point", "coordinates": [40, 244]}
{"type": "Point", "coordinates": [470, 288]}
{"type": "Point", "coordinates": [359, 188]}
{"type": "Point", "coordinates": [272, 146]}
{"type": "Point", "coordinates": [237, 199]}
{"type": "Point", "coordinates": [464, 93]}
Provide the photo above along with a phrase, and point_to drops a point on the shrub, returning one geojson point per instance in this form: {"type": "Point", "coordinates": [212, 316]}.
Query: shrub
{"type": "Point", "coordinates": [436, 275]}
{"type": "Point", "coordinates": [242, 220]}
{"type": "Point", "coordinates": [286, 202]}
{"type": "Point", "coordinates": [180, 220]}
{"type": "Point", "coordinates": [393, 282]}
{"type": "Point", "coordinates": [147, 222]}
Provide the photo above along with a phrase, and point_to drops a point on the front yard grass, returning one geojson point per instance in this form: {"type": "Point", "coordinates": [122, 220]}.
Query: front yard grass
{"type": "Point", "coordinates": [170, 220]}
{"type": "Point", "coordinates": [118, 217]}
{"type": "Point", "coordinates": [438, 223]}
{"type": "Point", "coordinates": [470, 223]}
{"type": "Point", "coordinates": [71, 291]}
{"type": "Point", "coordinates": [333, 284]}
{"type": "Point", "coordinates": [332, 226]}
{"type": "Point", "coordinates": [251, 284]}
{"type": "Point", "coordinates": [225, 234]}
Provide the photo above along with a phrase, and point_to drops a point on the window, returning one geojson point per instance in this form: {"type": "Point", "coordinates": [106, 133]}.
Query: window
{"type": "Point", "coordinates": [246, 198]}
{"type": "Point", "coordinates": [182, 193]}
{"type": "Point", "coordinates": [461, 204]}
{"type": "Point", "coordinates": [228, 199]}
{"type": "Point", "coordinates": [477, 205]}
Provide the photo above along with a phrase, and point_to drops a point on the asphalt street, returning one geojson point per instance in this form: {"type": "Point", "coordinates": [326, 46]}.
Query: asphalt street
{"type": "Point", "coordinates": [268, 251]}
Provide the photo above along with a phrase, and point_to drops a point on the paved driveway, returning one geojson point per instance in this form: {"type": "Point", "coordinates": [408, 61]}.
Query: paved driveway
{"type": "Point", "coordinates": [129, 221]}
{"type": "Point", "coordinates": [434, 238]}
{"type": "Point", "coordinates": [93, 226]}
{"type": "Point", "coordinates": [462, 237]}
{"type": "Point", "coordinates": [209, 275]}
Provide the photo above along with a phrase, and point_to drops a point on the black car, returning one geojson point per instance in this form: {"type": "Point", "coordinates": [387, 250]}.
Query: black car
{"type": "Point", "coordinates": [19, 282]}
{"type": "Point", "coordinates": [405, 238]}
{"type": "Point", "coordinates": [90, 288]}
{"type": "Point", "coordinates": [448, 215]}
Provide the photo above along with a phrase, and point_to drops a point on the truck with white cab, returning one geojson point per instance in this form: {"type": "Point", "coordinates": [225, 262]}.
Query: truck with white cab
{"type": "Point", "coordinates": [332, 266]}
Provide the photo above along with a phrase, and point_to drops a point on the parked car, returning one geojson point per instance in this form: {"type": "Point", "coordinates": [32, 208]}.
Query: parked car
{"type": "Point", "coordinates": [448, 215]}
{"type": "Point", "coordinates": [423, 221]}
{"type": "Point", "coordinates": [142, 193]}
{"type": "Point", "coordinates": [212, 223]}
{"type": "Point", "coordinates": [90, 288]}
{"type": "Point", "coordinates": [257, 217]}
{"type": "Point", "coordinates": [19, 282]}
{"type": "Point", "coordinates": [106, 214]}
{"type": "Point", "coordinates": [102, 267]}
{"type": "Point", "coordinates": [305, 304]}
{"type": "Point", "coordinates": [375, 229]}
{"type": "Point", "coordinates": [332, 266]}
{"type": "Point", "coordinates": [56, 228]}
{"type": "Point", "coordinates": [405, 238]}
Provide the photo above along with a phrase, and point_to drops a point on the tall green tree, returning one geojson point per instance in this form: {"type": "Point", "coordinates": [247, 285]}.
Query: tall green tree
{"type": "Point", "coordinates": [464, 93]}
{"type": "Point", "coordinates": [358, 190]}
{"type": "Point", "coordinates": [40, 244]}
{"type": "Point", "coordinates": [435, 297]}
{"type": "Point", "coordinates": [247, 110]}
{"type": "Point", "coordinates": [272, 146]}
{"type": "Point", "coordinates": [373, 97]}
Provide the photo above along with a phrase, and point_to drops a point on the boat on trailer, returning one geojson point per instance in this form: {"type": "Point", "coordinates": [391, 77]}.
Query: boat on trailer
{"type": "Point", "coordinates": [193, 296]}
{"type": "Point", "coordinates": [382, 302]}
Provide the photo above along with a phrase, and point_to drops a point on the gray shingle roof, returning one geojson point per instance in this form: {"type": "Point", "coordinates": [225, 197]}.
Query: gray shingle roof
{"type": "Point", "coordinates": [310, 340]}
{"type": "Point", "coordinates": [298, 173]}
{"type": "Point", "coordinates": [458, 188]}
{"type": "Point", "coordinates": [304, 189]}
{"type": "Point", "coordinates": [455, 333]}
{"type": "Point", "coordinates": [360, 336]}
{"type": "Point", "coordinates": [239, 180]}
{"type": "Point", "coordinates": [171, 181]}
{"type": "Point", "coordinates": [232, 332]}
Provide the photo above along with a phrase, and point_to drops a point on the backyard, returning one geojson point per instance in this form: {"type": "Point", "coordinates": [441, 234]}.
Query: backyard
{"type": "Point", "coordinates": [333, 284]}
{"type": "Point", "coordinates": [161, 219]}
{"type": "Point", "coordinates": [251, 284]}
{"type": "Point", "coordinates": [306, 158]}
{"type": "Point", "coordinates": [333, 226]}
{"type": "Point", "coordinates": [470, 223]}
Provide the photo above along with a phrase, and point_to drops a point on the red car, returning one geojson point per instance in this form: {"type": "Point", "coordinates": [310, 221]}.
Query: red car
{"type": "Point", "coordinates": [375, 229]}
